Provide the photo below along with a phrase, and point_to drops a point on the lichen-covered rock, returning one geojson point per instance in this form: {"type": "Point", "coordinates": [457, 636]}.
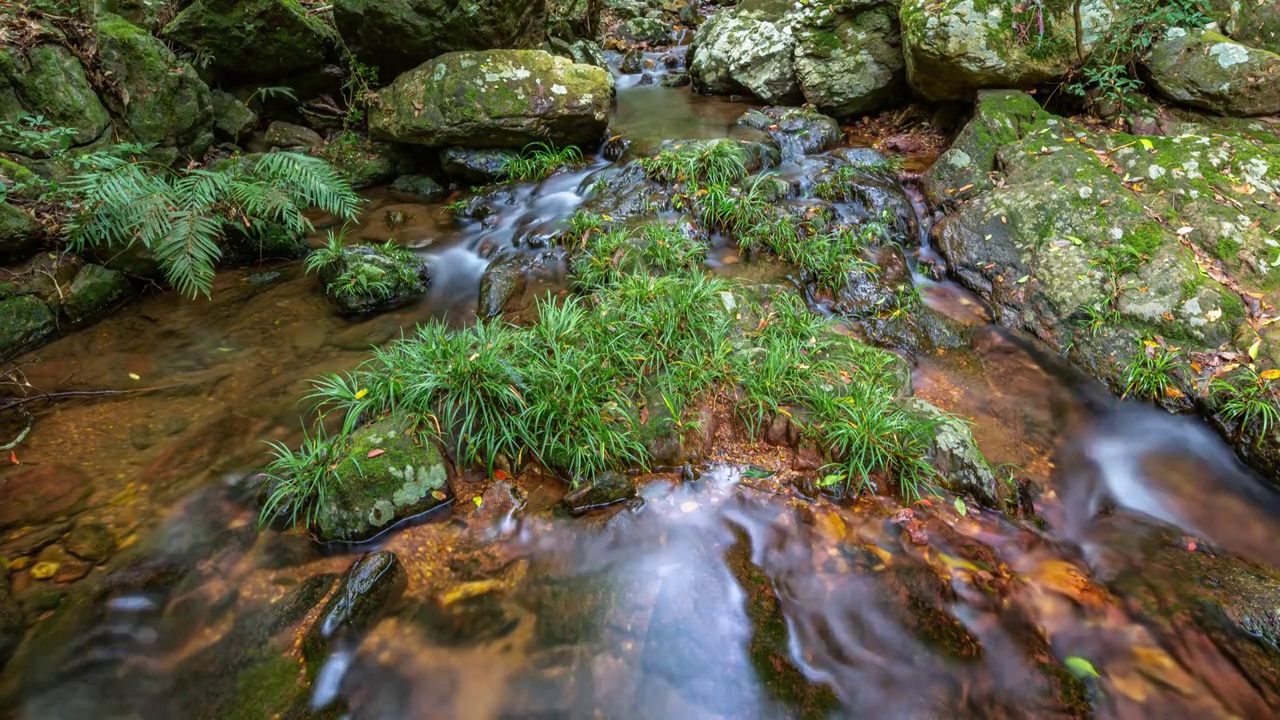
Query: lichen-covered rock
{"type": "Point", "coordinates": [292, 137]}
{"type": "Point", "coordinates": [583, 52]}
{"type": "Point", "coordinates": [742, 51]}
{"type": "Point", "coordinates": [387, 473]}
{"type": "Point", "coordinates": [94, 291]}
{"type": "Point", "coordinates": [1205, 69]}
{"type": "Point", "coordinates": [648, 30]}
{"type": "Point", "coordinates": [495, 98]}
{"type": "Point", "coordinates": [854, 63]}
{"type": "Point", "coordinates": [955, 47]}
{"type": "Point", "coordinates": [231, 118]}
{"type": "Point", "coordinates": [398, 35]}
{"type": "Point", "coordinates": [161, 100]}
{"type": "Point", "coordinates": [844, 57]}
{"type": "Point", "coordinates": [19, 232]}
{"type": "Point", "coordinates": [572, 20]}
{"type": "Point", "coordinates": [373, 278]}
{"type": "Point", "coordinates": [48, 81]}
{"type": "Point", "coordinates": [24, 323]}
{"type": "Point", "coordinates": [798, 130]}
{"type": "Point", "coordinates": [477, 166]}
{"type": "Point", "coordinates": [1001, 117]}
{"type": "Point", "coordinates": [251, 40]}
{"type": "Point", "coordinates": [1250, 22]}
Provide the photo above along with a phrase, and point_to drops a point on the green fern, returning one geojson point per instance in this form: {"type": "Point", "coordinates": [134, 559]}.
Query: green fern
{"type": "Point", "coordinates": [182, 216]}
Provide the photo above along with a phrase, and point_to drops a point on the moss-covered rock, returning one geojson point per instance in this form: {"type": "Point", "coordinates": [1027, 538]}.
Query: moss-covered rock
{"type": "Point", "coordinates": [496, 98]}
{"type": "Point", "coordinates": [231, 118]}
{"type": "Point", "coordinates": [248, 40]}
{"type": "Point", "coordinates": [364, 163]}
{"type": "Point", "coordinates": [957, 457]}
{"type": "Point", "coordinates": [571, 20]}
{"type": "Point", "coordinates": [1207, 70]}
{"type": "Point", "coordinates": [854, 63]}
{"type": "Point", "coordinates": [1001, 117]}
{"type": "Point", "coordinates": [955, 47]}
{"type": "Point", "coordinates": [24, 323]}
{"type": "Point", "coordinates": [648, 30]}
{"type": "Point", "coordinates": [400, 35]}
{"type": "Point", "coordinates": [373, 278]}
{"type": "Point", "coordinates": [19, 232]}
{"type": "Point", "coordinates": [388, 473]}
{"type": "Point", "coordinates": [160, 99]}
{"type": "Point", "coordinates": [420, 188]}
{"type": "Point", "coordinates": [292, 137]}
{"type": "Point", "coordinates": [604, 489]}
{"type": "Point", "coordinates": [48, 80]}
{"type": "Point", "coordinates": [1250, 22]}
{"type": "Point", "coordinates": [94, 291]}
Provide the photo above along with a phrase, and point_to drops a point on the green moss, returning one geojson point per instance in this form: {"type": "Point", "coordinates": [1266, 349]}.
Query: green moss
{"type": "Point", "coordinates": [1226, 249]}
{"type": "Point", "coordinates": [1233, 309]}
{"type": "Point", "coordinates": [1146, 238]}
{"type": "Point", "coordinates": [825, 39]}
{"type": "Point", "coordinates": [264, 690]}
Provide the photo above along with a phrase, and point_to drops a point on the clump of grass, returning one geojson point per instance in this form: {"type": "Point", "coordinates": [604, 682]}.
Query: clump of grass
{"type": "Point", "coordinates": [353, 280]}
{"type": "Point", "coordinates": [580, 227]}
{"type": "Point", "coordinates": [656, 249]}
{"type": "Point", "coordinates": [299, 482]}
{"type": "Point", "coordinates": [538, 161]}
{"type": "Point", "coordinates": [718, 162]}
{"type": "Point", "coordinates": [1153, 372]}
{"type": "Point", "coordinates": [1249, 398]}
{"type": "Point", "coordinates": [870, 433]}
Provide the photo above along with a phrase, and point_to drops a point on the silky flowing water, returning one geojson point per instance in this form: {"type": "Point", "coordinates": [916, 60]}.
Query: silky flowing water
{"type": "Point", "coordinates": [742, 594]}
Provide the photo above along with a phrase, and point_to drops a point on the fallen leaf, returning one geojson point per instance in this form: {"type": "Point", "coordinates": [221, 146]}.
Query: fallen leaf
{"type": "Point", "coordinates": [1253, 349]}
{"type": "Point", "coordinates": [1147, 144]}
{"type": "Point", "coordinates": [376, 453]}
{"type": "Point", "coordinates": [961, 507]}
{"type": "Point", "coordinates": [440, 496]}
{"type": "Point", "coordinates": [1080, 667]}
{"type": "Point", "coordinates": [1213, 315]}
{"type": "Point", "coordinates": [477, 500]}
{"type": "Point", "coordinates": [134, 376]}
{"type": "Point", "coordinates": [1186, 230]}
{"type": "Point", "coordinates": [1269, 374]}
{"type": "Point", "coordinates": [1173, 392]}
{"type": "Point", "coordinates": [361, 393]}
{"type": "Point", "coordinates": [13, 458]}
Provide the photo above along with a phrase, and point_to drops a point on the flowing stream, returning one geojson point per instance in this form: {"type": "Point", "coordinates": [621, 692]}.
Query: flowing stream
{"type": "Point", "coordinates": [739, 595]}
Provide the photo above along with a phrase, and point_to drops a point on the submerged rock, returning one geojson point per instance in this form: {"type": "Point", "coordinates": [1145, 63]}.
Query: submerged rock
{"type": "Point", "coordinates": [955, 47]}
{"type": "Point", "coordinates": [373, 278]}
{"type": "Point", "coordinates": [1207, 70]}
{"type": "Point", "coordinates": [398, 36]}
{"type": "Point", "coordinates": [388, 473]}
{"type": "Point", "coordinates": [421, 188]}
{"type": "Point", "coordinates": [39, 494]}
{"type": "Point", "coordinates": [497, 98]}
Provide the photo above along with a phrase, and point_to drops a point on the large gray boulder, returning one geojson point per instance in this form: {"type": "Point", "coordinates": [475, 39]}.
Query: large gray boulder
{"type": "Point", "coordinates": [1207, 70]}
{"type": "Point", "coordinates": [956, 47]}
{"type": "Point", "coordinates": [495, 99]}
{"type": "Point", "coordinates": [843, 57]}
{"type": "Point", "coordinates": [1251, 22]}
{"type": "Point", "coordinates": [399, 35]}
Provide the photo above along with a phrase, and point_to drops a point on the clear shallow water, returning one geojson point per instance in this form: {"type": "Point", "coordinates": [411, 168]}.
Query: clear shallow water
{"type": "Point", "coordinates": [730, 597]}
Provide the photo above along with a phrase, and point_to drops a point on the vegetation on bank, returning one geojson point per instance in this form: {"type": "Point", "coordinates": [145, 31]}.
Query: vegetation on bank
{"type": "Point", "coordinates": [583, 389]}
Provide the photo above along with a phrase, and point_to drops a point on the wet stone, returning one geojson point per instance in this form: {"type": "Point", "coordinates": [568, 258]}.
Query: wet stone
{"type": "Point", "coordinates": [40, 494]}
{"type": "Point", "coordinates": [364, 594]}
{"type": "Point", "coordinates": [606, 488]}
{"type": "Point", "coordinates": [40, 599]}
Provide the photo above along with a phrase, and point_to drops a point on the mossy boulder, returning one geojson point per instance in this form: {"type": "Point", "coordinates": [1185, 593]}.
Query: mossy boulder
{"type": "Point", "coordinates": [647, 30]}
{"type": "Point", "coordinates": [1205, 69]}
{"type": "Point", "coordinates": [388, 473]}
{"type": "Point", "coordinates": [1001, 117]}
{"type": "Point", "coordinates": [48, 80]}
{"type": "Point", "coordinates": [843, 57]}
{"type": "Point", "coordinates": [853, 63]}
{"type": "Point", "coordinates": [160, 99]}
{"type": "Point", "coordinates": [19, 232]}
{"type": "Point", "coordinates": [24, 323]}
{"type": "Point", "coordinates": [1250, 22]}
{"type": "Point", "coordinates": [572, 20]}
{"type": "Point", "coordinates": [251, 40]}
{"type": "Point", "coordinates": [398, 35]}
{"type": "Point", "coordinates": [231, 118]}
{"type": "Point", "coordinates": [94, 291]}
{"type": "Point", "coordinates": [954, 48]}
{"type": "Point", "coordinates": [495, 98]}
{"type": "Point", "coordinates": [365, 164]}
{"type": "Point", "coordinates": [373, 278]}
{"type": "Point", "coordinates": [799, 131]}
{"type": "Point", "coordinates": [956, 455]}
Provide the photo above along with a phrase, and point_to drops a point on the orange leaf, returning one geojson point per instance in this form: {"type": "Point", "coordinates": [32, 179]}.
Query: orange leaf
{"type": "Point", "coordinates": [376, 453]}
{"type": "Point", "coordinates": [1173, 392]}
{"type": "Point", "coordinates": [13, 458]}
{"type": "Point", "coordinates": [1269, 374]}
{"type": "Point", "coordinates": [501, 475]}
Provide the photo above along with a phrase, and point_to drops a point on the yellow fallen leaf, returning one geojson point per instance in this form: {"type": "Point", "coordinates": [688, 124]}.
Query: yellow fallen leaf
{"type": "Point", "coordinates": [1253, 349]}
{"type": "Point", "coordinates": [44, 570]}
{"type": "Point", "coordinates": [1147, 144]}
{"type": "Point", "coordinates": [361, 393]}
{"type": "Point", "coordinates": [134, 376]}
{"type": "Point", "coordinates": [1269, 374]}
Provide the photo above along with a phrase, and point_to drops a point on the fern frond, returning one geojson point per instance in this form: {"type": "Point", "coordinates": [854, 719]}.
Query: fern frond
{"type": "Point", "coordinates": [189, 251]}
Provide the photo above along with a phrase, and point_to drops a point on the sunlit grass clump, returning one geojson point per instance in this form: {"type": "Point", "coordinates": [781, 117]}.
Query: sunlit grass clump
{"type": "Point", "coordinates": [538, 161]}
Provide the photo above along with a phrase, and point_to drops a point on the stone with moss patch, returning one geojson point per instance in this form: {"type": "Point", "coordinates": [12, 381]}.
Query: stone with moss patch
{"type": "Point", "coordinates": [954, 48]}
{"type": "Point", "coordinates": [374, 278]}
{"type": "Point", "coordinates": [19, 232]}
{"type": "Point", "coordinates": [855, 66]}
{"type": "Point", "coordinates": [1001, 117]}
{"type": "Point", "coordinates": [495, 99]}
{"type": "Point", "coordinates": [388, 473]}
{"type": "Point", "coordinates": [24, 323]}
{"type": "Point", "coordinates": [644, 29]}
{"type": "Point", "coordinates": [1207, 70]}
{"type": "Point", "coordinates": [160, 99]}
{"type": "Point", "coordinates": [231, 118]}
{"type": "Point", "coordinates": [47, 80]}
{"type": "Point", "coordinates": [95, 290]}
{"type": "Point", "coordinates": [251, 40]}
{"type": "Point", "coordinates": [1253, 23]}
